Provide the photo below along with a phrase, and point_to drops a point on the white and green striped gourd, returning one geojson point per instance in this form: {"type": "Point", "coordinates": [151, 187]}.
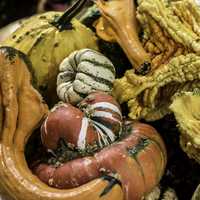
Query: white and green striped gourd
{"type": "Point", "coordinates": [83, 72]}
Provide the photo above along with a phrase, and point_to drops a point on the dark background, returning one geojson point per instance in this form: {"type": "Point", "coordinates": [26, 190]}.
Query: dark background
{"type": "Point", "coordinates": [11, 10]}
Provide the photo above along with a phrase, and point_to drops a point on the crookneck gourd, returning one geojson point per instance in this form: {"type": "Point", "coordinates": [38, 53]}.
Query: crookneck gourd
{"type": "Point", "coordinates": [47, 39]}
{"type": "Point", "coordinates": [83, 72]}
{"type": "Point", "coordinates": [118, 23]}
{"type": "Point", "coordinates": [140, 155]}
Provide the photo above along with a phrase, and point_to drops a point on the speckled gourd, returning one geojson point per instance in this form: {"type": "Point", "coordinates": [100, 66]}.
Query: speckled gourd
{"type": "Point", "coordinates": [47, 39]}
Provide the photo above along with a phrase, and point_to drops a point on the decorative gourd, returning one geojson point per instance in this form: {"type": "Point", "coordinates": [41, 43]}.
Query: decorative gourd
{"type": "Point", "coordinates": [118, 23]}
{"type": "Point", "coordinates": [97, 122]}
{"type": "Point", "coordinates": [196, 194]}
{"type": "Point", "coordinates": [83, 72]}
{"type": "Point", "coordinates": [21, 111]}
{"type": "Point", "coordinates": [47, 39]}
{"type": "Point", "coordinates": [136, 163]}
{"type": "Point", "coordinates": [186, 109]}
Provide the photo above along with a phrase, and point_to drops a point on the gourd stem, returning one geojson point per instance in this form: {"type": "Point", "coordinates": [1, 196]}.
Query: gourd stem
{"type": "Point", "coordinates": [64, 21]}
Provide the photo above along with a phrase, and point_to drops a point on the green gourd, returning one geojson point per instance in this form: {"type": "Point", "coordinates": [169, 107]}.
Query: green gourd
{"type": "Point", "coordinates": [47, 39]}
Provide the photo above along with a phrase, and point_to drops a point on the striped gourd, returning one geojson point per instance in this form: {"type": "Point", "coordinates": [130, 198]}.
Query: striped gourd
{"type": "Point", "coordinates": [83, 72]}
{"type": "Point", "coordinates": [97, 121]}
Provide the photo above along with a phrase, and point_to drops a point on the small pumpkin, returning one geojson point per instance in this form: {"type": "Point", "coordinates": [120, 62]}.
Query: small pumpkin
{"type": "Point", "coordinates": [98, 120]}
{"type": "Point", "coordinates": [47, 39]}
{"type": "Point", "coordinates": [83, 72]}
{"type": "Point", "coordinates": [136, 163]}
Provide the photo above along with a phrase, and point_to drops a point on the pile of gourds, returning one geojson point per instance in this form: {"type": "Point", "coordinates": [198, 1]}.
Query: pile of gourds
{"type": "Point", "coordinates": [54, 56]}
{"type": "Point", "coordinates": [171, 38]}
{"type": "Point", "coordinates": [123, 153]}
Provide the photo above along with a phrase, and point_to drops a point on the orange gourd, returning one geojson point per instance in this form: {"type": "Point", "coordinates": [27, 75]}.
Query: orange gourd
{"type": "Point", "coordinates": [22, 110]}
{"type": "Point", "coordinates": [118, 23]}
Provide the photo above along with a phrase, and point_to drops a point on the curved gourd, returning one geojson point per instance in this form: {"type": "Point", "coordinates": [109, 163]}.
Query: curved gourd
{"type": "Point", "coordinates": [118, 23]}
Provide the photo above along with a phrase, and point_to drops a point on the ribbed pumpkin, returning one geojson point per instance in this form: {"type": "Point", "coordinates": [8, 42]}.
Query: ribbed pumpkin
{"type": "Point", "coordinates": [83, 72]}
{"type": "Point", "coordinates": [97, 121]}
{"type": "Point", "coordinates": [136, 163]}
{"type": "Point", "coordinates": [47, 39]}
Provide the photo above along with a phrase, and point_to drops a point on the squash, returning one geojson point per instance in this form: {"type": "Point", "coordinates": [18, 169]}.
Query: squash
{"type": "Point", "coordinates": [135, 162]}
{"type": "Point", "coordinates": [47, 39]}
{"type": "Point", "coordinates": [118, 23]}
{"type": "Point", "coordinates": [23, 110]}
{"type": "Point", "coordinates": [97, 121]}
{"type": "Point", "coordinates": [196, 194]}
{"type": "Point", "coordinates": [186, 109]}
{"type": "Point", "coordinates": [83, 72]}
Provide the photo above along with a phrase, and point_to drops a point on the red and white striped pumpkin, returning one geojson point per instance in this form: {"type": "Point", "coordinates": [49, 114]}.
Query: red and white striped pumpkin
{"type": "Point", "coordinates": [98, 120]}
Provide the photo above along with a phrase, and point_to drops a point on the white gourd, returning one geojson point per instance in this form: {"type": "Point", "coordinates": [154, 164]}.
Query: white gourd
{"type": "Point", "coordinates": [83, 72]}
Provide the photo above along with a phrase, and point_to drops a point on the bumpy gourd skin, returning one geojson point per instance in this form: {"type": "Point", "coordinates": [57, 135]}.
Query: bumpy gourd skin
{"type": "Point", "coordinates": [171, 37]}
{"type": "Point", "coordinates": [173, 45]}
{"type": "Point", "coordinates": [186, 108]}
{"type": "Point", "coordinates": [149, 97]}
{"type": "Point", "coordinates": [47, 46]}
{"type": "Point", "coordinates": [170, 29]}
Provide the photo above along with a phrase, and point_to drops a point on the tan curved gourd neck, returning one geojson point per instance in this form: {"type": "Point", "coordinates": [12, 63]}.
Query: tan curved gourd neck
{"type": "Point", "coordinates": [23, 109]}
{"type": "Point", "coordinates": [119, 18]}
